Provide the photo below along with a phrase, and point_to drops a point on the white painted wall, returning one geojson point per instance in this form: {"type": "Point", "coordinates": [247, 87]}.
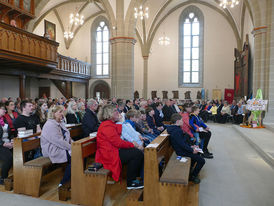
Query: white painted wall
{"type": "Point", "coordinates": [219, 44]}
{"type": "Point", "coordinates": [9, 86]}
{"type": "Point", "coordinates": [78, 90]}
{"type": "Point", "coordinates": [39, 30]}
{"type": "Point", "coordinates": [138, 69]}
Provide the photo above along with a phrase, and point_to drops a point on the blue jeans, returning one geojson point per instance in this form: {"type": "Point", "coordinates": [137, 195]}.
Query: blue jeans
{"type": "Point", "coordinates": [196, 135]}
{"type": "Point", "coordinates": [199, 142]}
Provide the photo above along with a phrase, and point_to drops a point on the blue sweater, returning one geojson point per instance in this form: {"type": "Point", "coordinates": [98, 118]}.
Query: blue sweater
{"type": "Point", "coordinates": [196, 120]}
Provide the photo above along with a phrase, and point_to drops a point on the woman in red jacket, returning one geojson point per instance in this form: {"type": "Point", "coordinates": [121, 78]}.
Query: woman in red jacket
{"type": "Point", "coordinates": [112, 151]}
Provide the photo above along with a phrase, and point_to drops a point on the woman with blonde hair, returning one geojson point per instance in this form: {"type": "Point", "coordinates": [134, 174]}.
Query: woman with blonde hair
{"type": "Point", "coordinates": [56, 141]}
{"type": "Point", "coordinates": [72, 114]}
{"type": "Point", "coordinates": [112, 151]}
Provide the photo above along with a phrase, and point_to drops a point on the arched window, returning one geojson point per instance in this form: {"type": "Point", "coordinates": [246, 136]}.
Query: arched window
{"type": "Point", "coordinates": [191, 46]}
{"type": "Point", "coordinates": [100, 47]}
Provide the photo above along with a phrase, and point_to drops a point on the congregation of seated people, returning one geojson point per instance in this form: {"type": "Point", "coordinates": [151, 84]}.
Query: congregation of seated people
{"type": "Point", "coordinates": [221, 112]}
{"type": "Point", "coordinates": [124, 128]}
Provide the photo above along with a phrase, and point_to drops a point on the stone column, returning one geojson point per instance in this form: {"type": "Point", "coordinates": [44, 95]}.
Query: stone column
{"type": "Point", "coordinates": [122, 59]}
{"type": "Point", "coordinates": [270, 80]}
{"type": "Point", "coordinates": [145, 80]}
{"type": "Point", "coordinates": [259, 68]}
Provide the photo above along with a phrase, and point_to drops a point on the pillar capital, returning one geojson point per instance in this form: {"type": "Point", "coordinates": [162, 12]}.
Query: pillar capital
{"type": "Point", "coordinates": [122, 39]}
{"type": "Point", "coordinates": [259, 30]}
{"type": "Point", "coordinates": [145, 57]}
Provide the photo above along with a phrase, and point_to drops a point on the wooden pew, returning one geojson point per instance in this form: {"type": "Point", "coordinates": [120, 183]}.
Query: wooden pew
{"type": "Point", "coordinates": [27, 175]}
{"type": "Point", "coordinates": [76, 131]}
{"type": "Point", "coordinates": [168, 188]}
{"type": "Point", "coordinates": [87, 188]}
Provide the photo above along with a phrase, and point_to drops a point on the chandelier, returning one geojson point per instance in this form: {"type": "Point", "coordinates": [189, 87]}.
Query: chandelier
{"type": "Point", "coordinates": [142, 13]}
{"type": "Point", "coordinates": [76, 19]}
{"type": "Point", "coordinates": [68, 35]}
{"type": "Point", "coordinates": [164, 40]}
{"type": "Point", "coordinates": [231, 3]}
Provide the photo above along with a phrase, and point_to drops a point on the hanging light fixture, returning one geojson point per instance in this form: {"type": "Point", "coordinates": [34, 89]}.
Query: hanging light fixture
{"type": "Point", "coordinates": [76, 19]}
{"type": "Point", "coordinates": [68, 35]}
{"type": "Point", "coordinates": [231, 3]}
{"type": "Point", "coordinates": [164, 40]}
{"type": "Point", "coordinates": [140, 12]}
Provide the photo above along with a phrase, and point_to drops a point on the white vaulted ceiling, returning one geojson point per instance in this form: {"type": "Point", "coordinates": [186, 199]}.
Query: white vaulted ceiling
{"type": "Point", "coordinates": [158, 11]}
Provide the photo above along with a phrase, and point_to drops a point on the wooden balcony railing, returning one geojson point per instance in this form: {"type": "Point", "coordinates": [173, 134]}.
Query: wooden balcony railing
{"type": "Point", "coordinates": [21, 50]}
{"type": "Point", "coordinates": [69, 64]}
{"type": "Point", "coordinates": [19, 45]}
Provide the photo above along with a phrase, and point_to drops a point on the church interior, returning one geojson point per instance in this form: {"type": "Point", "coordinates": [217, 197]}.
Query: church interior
{"type": "Point", "coordinates": [204, 67]}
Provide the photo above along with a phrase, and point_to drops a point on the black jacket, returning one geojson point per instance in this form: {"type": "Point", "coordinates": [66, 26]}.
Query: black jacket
{"type": "Point", "coordinates": [1, 135]}
{"type": "Point", "coordinates": [179, 141]}
{"type": "Point", "coordinates": [167, 110]}
{"type": "Point", "coordinates": [158, 119]}
{"type": "Point", "coordinates": [72, 119]}
{"type": "Point", "coordinates": [90, 123]}
{"type": "Point", "coordinates": [126, 109]}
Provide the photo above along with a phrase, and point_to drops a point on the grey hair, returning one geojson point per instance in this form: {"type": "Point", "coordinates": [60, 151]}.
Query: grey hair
{"type": "Point", "coordinates": [91, 102]}
{"type": "Point", "coordinates": [69, 109]}
{"type": "Point", "coordinates": [79, 105]}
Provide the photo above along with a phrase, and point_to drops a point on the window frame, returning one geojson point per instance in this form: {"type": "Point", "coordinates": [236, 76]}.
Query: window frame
{"type": "Point", "coordinates": [94, 27]}
{"type": "Point", "coordinates": [184, 15]}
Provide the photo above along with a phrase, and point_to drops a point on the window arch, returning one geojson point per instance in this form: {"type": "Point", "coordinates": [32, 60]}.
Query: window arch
{"type": "Point", "coordinates": [191, 47]}
{"type": "Point", "coordinates": [100, 48]}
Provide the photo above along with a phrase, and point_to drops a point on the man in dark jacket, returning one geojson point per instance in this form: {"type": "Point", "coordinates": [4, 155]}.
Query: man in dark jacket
{"type": "Point", "coordinates": [158, 115]}
{"type": "Point", "coordinates": [180, 144]}
{"type": "Point", "coordinates": [90, 122]}
{"type": "Point", "coordinates": [167, 110]}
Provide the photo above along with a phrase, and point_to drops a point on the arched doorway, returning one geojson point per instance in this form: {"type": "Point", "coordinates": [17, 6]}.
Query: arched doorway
{"type": "Point", "coordinates": [100, 89]}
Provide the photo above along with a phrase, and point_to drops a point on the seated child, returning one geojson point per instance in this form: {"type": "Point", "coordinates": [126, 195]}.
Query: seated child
{"type": "Point", "coordinates": [180, 145]}
{"type": "Point", "coordinates": [130, 134]}
{"type": "Point", "coordinates": [201, 131]}
{"type": "Point", "coordinates": [131, 118]}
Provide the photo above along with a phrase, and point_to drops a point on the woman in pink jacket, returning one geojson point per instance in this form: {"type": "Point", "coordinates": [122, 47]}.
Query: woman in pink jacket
{"type": "Point", "coordinates": [56, 141]}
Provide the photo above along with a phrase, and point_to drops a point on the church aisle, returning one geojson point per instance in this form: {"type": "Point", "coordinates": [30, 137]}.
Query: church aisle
{"type": "Point", "coordinates": [237, 175]}
{"type": "Point", "coordinates": [12, 199]}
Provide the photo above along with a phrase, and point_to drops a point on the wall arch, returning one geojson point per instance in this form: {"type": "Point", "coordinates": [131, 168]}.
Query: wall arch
{"type": "Point", "coordinates": [97, 84]}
